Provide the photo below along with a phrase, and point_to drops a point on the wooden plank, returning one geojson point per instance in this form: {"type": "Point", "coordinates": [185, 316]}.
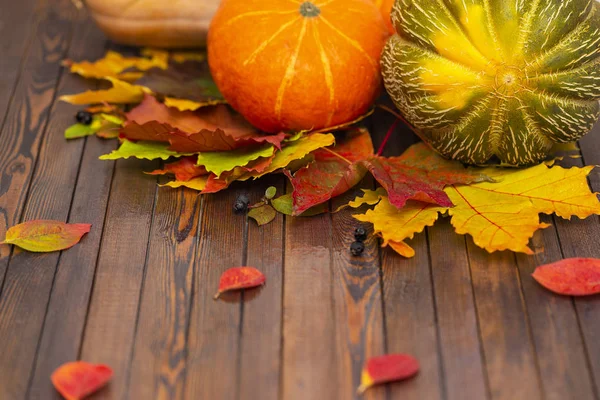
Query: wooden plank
{"type": "Point", "coordinates": [580, 238]}
{"type": "Point", "coordinates": [67, 308]}
{"type": "Point", "coordinates": [260, 351]}
{"type": "Point", "coordinates": [213, 344]}
{"type": "Point", "coordinates": [360, 331]}
{"type": "Point", "coordinates": [460, 345]}
{"type": "Point", "coordinates": [16, 20]}
{"type": "Point", "coordinates": [159, 360]}
{"type": "Point", "coordinates": [310, 353]}
{"type": "Point", "coordinates": [554, 327]}
{"type": "Point", "coordinates": [510, 357]}
{"type": "Point", "coordinates": [409, 308]}
{"type": "Point", "coordinates": [29, 276]}
{"type": "Point", "coordinates": [24, 124]}
{"type": "Point", "coordinates": [111, 323]}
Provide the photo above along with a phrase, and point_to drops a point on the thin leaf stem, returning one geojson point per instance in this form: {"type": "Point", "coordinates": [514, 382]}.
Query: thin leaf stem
{"type": "Point", "coordinates": [338, 155]}
{"type": "Point", "coordinates": [387, 136]}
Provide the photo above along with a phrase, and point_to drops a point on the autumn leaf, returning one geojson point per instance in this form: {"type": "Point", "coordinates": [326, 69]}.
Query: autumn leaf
{"type": "Point", "coordinates": [77, 380]}
{"type": "Point", "coordinates": [189, 80]}
{"type": "Point", "coordinates": [240, 278]}
{"type": "Point", "coordinates": [184, 169]}
{"type": "Point", "coordinates": [369, 197]}
{"type": "Point", "coordinates": [572, 277]}
{"type": "Point", "coordinates": [42, 236]}
{"type": "Point", "coordinates": [396, 225]}
{"type": "Point", "coordinates": [284, 205]}
{"type": "Point", "coordinates": [388, 368]}
{"type": "Point", "coordinates": [222, 161]}
{"type": "Point", "coordinates": [420, 174]}
{"type": "Point", "coordinates": [121, 93]}
{"type": "Point", "coordinates": [143, 150]}
{"type": "Point", "coordinates": [103, 125]}
{"type": "Point", "coordinates": [262, 214]}
{"type": "Point", "coordinates": [504, 215]}
{"type": "Point", "coordinates": [198, 183]}
{"type": "Point", "coordinates": [333, 172]}
{"type": "Point", "coordinates": [113, 65]}
{"type": "Point", "coordinates": [346, 125]}
{"type": "Point", "coordinates": [208, 129]}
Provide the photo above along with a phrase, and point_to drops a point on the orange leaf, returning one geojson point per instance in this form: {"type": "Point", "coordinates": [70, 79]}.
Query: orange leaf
{"type": "Point", "coordinates": [78, 379]}
{"type": "Point", "coordinates": [184, 169]}
{"type": "Point", "coordinates": [213, 128]}
{"type": "Point", "coordinates": [573, 276]}
{"type": "Point", "coordinates": [45, 236]}
{"type": "Point", "coordinates": [388, 368]}
{"type": "Point", "coordinates": [240, 278]}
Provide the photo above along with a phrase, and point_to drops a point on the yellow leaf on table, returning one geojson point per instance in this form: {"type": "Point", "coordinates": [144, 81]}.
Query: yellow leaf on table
{"type": "Point", "coordinates": [396, 225]}
{"type": "Point", "coordinates": [198, 183]}
{"type": "Point", "coordinates": [113, 64]}
{"type": "Point", "coordinates": [189, 105]}
{"type": "Point", "coordinates": [504, 215]}
{"type": "Point", "coordinates": [143, 150]}
{"type": "Point", "coordinates": [121, 93]}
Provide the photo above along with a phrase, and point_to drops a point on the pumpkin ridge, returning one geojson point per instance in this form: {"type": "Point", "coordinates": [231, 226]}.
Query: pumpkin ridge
{"type": "Point", "coordinates": [351, 41]}
{"type": "Point", "coordinates": [492, 28]}
{"type": "Point", "coordinates": [327, 73]}
{"type": "Point", "coordinates": [289, 72]}
{"type": "Point", "coordinates": [562, 99]}
{"type": "Point", "coordinates": [538, 60]}
{"type": "Point", "coordinates": [535, 129]}
{"type": "Point", "coordinates": [264, 44]}
{"type": "Point", "coordinates": [559, 73]}
{"type": "Point", "coordinates": [469, 115]}
{"type": "Point", "coordinates": [525, 30]}
{"type": "Point", "coordinates": [254, 14]}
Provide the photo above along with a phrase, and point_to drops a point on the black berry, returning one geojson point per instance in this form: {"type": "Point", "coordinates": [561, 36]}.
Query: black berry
{"type": "Point", "coordinates": [357, 248]}
{"type": "Point", "coordinates": [241, 204]}
{"type": "Point", "coordinates": [360, 234]}
{"type": "Point", "coordinates": [84, 117]}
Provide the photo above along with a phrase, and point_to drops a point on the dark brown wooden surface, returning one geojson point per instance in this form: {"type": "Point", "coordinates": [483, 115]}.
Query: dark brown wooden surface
{"type": "Point", "coordinates": [136, 293]}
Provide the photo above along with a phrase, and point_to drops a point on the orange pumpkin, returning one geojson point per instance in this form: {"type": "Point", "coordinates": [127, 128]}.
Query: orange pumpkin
{"type": "Point", "coordinates": [386, 9]}
{"type": "Point", "coordinates": [293, 65]}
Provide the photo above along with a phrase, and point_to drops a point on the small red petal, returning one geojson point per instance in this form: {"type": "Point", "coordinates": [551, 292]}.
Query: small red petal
{"type": "Point", "coordinates": [76, 380]}
{"type": "Point", "coordinates": [573, 276]}
{"type": "Point", "coordinates": [388, 368]}
{"type": "Point", "coordinates": [240, 278]}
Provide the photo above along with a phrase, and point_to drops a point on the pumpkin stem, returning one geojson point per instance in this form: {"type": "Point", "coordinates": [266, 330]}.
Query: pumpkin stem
{"type": "Point", "coordinates": [309, 10]}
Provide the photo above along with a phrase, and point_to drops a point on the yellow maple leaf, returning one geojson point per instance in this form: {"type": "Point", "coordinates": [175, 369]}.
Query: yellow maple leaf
{"type": "Point", "coordinates": [121, 93]}
{"type": "Point", "coordinates": [198, 183]}
{"type": "Point", "coordinates": [505, 215]}
{"type": "Point", "coordinates": [189, 105]}
{"type": "Point", "coordinates": [395, 225]}
{"type": "Point", "coordinates": [113, 64]}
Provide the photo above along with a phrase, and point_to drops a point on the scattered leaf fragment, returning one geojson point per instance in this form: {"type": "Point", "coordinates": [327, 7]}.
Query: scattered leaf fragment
{"type": "Point", "coordinates": [143, 150]}
{"type": "Point", "coordinates": [43, 236]}
{"type": "Point", "coordinates": [572, 277]}
{"type": "Point", "coordinates": [370, 197]}
{"type": "Point", "coordinates": [121, 93]}
{"type": "Point", "coordinates": [113, 65]}
{"type": "Point", "coordinates": [270, 192]}
{"type": "Point", "coordinates": [263, 214]}
{"type": "Point", "coordinates": [240, 278]}
{"type": "Point", "coordinates": [387, 368]}
{"type": "Point", "coordinates": [77, 380]}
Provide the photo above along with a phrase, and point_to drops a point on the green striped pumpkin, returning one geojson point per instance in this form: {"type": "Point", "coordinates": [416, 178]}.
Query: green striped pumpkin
{"type": "Point", "coordinates": [504, 78]}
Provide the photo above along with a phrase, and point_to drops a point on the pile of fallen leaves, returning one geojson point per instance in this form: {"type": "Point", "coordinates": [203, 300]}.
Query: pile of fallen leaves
{"type": "Point", "coordinates": [165, 106]}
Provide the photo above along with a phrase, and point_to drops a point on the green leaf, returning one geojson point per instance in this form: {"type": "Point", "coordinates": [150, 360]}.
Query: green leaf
{"type": "Point", "coordinates": [143, 150]}
{"type": "Point", "coordinates": [80, 130]}
{"type": "Point", "coordinates": [221, 161]}
{"type": "Point", "coordinates": [270, 192]}
{"type": "Point", "coordinates": [284, 204]}
{"type": "Point", "coordinates": [263, 214]}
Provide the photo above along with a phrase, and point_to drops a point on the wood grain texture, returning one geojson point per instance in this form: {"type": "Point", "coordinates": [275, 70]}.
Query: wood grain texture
{"type": "Point", "coordinates": [16, 20]}
{"type": "Point", "coordinates": [554, 327]}
{"type": "Point", "coordinates": [409, 307]}
{"type": "Point", "coordinates": [26, 118]}
{"type": "Point", "coordinates": [159, 360]}
{"type": "Point", "coordinates": [510, 357]}
{"type": "Point", "coordinates": [213, 344]}
{"type": "Point", "coordinates": [29, 277]}
{"type": "Point", "coordinates": [111, 323]}
{"type": "Point", "coordinates": [310, 353]}
{"type": "Point", "coordinates": [360, 332]}
{"type": "Point", "coordinates": [460, 346]}
{"type": "Point", "coordinates": [260, 343]}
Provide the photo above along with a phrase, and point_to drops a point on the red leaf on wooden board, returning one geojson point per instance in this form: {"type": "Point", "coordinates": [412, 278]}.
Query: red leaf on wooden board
{"type": "Point", "coordinates": [572, 277]}
{"type": "Point", "coordinates": [43, 236]}
{"type": "Point", "coordinates": [184, 169]}
{"type": "Point", "coordinates": [240, 278]}
{"type": "Point", "coordinates": [214, 128]}
{"type": "Point", "coordinates": [420, 174]}
{"type": "Point", "coordinates": [333, 172]}
{"type": "Point", "coordinates": [77, 380]}
{"type": "Point", "coordinates": [388, 368]}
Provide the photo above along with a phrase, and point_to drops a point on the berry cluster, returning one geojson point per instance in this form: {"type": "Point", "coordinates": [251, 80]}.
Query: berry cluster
{"type": "Point", "coordinates": [241, 204]}
{"type": "Point", "coordinates": [84, 117]}
{"type": "Point", "coordinates": [357, 247]}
